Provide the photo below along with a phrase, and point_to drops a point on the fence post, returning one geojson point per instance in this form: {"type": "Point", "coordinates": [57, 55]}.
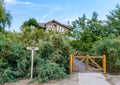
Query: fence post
{"type": "Point", "coordinates": [71, 64]}
{"type": "Point", "coordinates": [104, 63]}
{"type": "Point", "coordinates": [86, 62]}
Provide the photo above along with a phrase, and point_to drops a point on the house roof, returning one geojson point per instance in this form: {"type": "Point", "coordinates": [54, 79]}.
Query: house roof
{"type": "Point", "coordinates": [63, 25]}
{"type": "Point", "coordinates": [43, 25]}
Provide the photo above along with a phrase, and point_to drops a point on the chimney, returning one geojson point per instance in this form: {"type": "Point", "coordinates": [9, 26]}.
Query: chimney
{"type": "Point", "coordinates": [68, 23]}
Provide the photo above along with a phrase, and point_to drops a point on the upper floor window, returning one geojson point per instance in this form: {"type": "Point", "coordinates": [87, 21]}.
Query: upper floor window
{"type": "Point", "coordinates": [55, 26]}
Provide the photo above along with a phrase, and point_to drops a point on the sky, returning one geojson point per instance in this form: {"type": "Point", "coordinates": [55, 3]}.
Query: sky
{"type": "Point", "coordinates": [60, 10]}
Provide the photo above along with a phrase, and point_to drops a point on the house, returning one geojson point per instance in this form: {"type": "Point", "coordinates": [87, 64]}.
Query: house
{"type": "Point", "coordinates": [55, 26]}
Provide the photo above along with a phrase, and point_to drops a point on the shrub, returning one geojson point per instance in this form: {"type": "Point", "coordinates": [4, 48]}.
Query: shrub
{"type": "Point", "coordinates": [12, 54]}
{"type": "Point", "coordinates": [50, 71]}
{"type": "Point", "coordinates": [110, 47]}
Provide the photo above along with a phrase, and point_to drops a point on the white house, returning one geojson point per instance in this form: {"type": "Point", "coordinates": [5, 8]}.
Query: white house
{"type": "Point", "coordinates": [55, 26]}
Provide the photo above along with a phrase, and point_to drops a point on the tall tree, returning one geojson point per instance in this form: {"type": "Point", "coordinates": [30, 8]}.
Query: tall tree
{"type": "Point", "coordinates": [96, 28]}
{"type": "Point", "coordinates": [5, 16]}
{"type": "Point", "coordinates": [79, 27]}
{"type": "Point", "coordinates": [113, 21]}
{"type": "Point", "coordinates": [87, 31]}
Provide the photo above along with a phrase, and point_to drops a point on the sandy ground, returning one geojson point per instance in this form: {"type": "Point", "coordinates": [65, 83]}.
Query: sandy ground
{"type": "Point", "coordinates": [113, 79]}
{"type": "Point", "coordinates": [73, 80]}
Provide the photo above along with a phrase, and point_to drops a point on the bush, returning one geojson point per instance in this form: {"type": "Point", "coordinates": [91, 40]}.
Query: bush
{"type": "Point", "coordinates": [50, 71]}
{"type": "Point", "coordinates": [110, 47]}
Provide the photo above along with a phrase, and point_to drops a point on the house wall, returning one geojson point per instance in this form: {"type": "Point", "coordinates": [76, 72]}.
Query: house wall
{"type": "Point", "coordinates": [56, 27]}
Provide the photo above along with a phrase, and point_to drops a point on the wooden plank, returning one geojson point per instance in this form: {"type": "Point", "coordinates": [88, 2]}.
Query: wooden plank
{"type": "Point", "coordinates": [95, 69]}
{"type": "Point", "coordinates": [79, 68]}
{"type": "Point", "coordinates": [79, 56]}
{"type": "Point", "coordinates": [96, 56]}
{"type": "Point", "coordinates": [96, 63]}
{"type": "Point", "coordinates": [89, 56]}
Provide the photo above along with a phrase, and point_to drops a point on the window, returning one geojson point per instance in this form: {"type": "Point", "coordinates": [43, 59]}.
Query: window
{"type": "Point", "coordinates": [62, 30]}
{"type": "Point", "coordinates": [55, 26]}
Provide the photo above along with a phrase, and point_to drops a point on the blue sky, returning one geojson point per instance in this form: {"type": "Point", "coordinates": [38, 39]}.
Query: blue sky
{"type": "Point", "coordinates": [60, 10]}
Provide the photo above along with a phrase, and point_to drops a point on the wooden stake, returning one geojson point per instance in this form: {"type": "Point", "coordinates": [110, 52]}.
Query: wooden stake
{"type": "Point", "coordinates": [86, 62]}
{"type": "Point", "coordinates": [71, 63]}
{"type": "Point", "coordinates": [104, 63]}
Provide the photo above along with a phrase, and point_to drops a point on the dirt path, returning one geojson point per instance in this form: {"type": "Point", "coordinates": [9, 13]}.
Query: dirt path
{"type": "Point", "coordinates": [73, 80]}
{"type": "Point", "coordinates": [113, 79]}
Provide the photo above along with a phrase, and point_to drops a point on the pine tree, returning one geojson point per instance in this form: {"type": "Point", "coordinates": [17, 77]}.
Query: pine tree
{"type": "Point", "coordinates": [87, 31]}
{"type": "Point", "coordinates": [113, 21]}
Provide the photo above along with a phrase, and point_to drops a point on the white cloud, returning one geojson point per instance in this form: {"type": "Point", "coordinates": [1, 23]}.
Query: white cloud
{"type": "Point", "coordinates": [9, 1]}
{"type": "Point", "coordinates": [27, 2]}
{"type": "Point", "coordinates": [16, 2]}
{"type": "Point", "coordinates": [50, 12]}
{"type": "Point", "coordinates": [45, 16]}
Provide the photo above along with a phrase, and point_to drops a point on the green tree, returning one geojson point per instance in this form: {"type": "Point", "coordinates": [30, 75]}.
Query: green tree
{"type": "Point", "coordinates": [113, 21]}
{"type": "Point", "coordinates": [29, 26]}
{"type": "Point", "coordinates": [86, 31]}
{"type": "Point", "coordinates": [32, 32]}
{"type": "Point", "coordinates": [79, 26]}
{"type": "Point", "coordinates": [31, 23]}
{"type": "Point", "coordinates": [96, 28]}
{"type": "Point", "coordinates": [5, 16]}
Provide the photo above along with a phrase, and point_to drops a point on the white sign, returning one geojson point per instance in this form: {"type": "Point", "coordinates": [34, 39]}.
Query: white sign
{"type": "Point", "coordinates": [32, 57]}
{"type": "Point", "coordinates": [32, 48]}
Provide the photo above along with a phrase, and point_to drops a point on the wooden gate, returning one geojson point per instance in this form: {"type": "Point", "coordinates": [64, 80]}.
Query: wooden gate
{"type": "Point", "coordinates": [92, 61]}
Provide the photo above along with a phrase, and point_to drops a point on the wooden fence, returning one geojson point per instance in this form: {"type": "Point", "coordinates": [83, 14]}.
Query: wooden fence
{"type": "Point", "coordinates": [89, 61]}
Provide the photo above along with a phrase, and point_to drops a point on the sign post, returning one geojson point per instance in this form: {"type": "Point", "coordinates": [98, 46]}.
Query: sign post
{"type": "Point", "coordinates": [32, 58]}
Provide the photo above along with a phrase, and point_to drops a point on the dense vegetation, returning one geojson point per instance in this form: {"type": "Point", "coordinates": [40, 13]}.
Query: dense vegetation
{"type": "Point", "coordinates": [51, 61]}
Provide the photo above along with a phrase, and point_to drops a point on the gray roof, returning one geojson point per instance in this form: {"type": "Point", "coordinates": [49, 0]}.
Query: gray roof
{"type": "Point", "coordinates": [42, 25]}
